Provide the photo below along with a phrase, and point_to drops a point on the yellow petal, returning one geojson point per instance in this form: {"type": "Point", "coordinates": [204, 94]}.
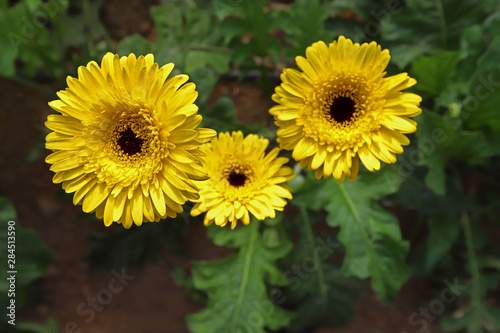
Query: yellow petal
{"type": "Point", "coordinates": [368, 159]}
{"type": "Point", "coordinates": [137, 206]}
{"type": "Point", "coordinates": [95, 197]}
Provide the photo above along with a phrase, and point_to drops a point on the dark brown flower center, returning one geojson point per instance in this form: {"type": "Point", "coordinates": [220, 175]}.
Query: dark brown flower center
{"type": "Point", "coordinates": [342, 109]}
{"type": "Point", "coordinates": [236, 179]}
{"type": "Point", "coordinates": [129, 143]}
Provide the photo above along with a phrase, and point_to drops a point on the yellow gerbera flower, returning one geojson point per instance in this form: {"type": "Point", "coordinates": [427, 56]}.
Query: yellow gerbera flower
{"type": "Point", "coordinates": [126, 140]}
{"type": "Point", "coordinates": [242, 179]}
{"type": "Point", "coordinates": [341, 109]}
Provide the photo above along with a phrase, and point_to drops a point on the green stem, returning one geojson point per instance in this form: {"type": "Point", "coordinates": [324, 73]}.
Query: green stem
{"type": "Point", "coordinates": [442, 22]}
{"type": "Point", "coordinates": [257, 27]}
{"type": "Point", "coordinates": [312, 246]}
{"type": "Point", "coordinates": [87, 14]}
{"type": "Point", "coordinates": [476, 286]}
{"type": "Point", "coordinates": [359, 224]}
{"type": "Point", "coordinates": [208, 48]}
{"type": "Point", "coordinates": [254, 232]}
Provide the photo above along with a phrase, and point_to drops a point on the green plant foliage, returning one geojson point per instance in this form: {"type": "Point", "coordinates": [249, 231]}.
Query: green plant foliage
{"type": "Point", "coordinates": [50, 326]}
{"type": "Point", "coordinates": [310, 17]}
{"type": "Point", "coordinates": [238, 298]}
{"type": "Point", "coordinates": [371, 235]}
{"type": "Point", "coordinates": [251, 20]}
{"type": "Point", "coordinates": [189, 37]}
{"type": "Point", "coordinates": [446, 180]}
{"type": "Point", "coordinates": [117, 249]}
{"type": "Point", "coordinates": [26, 38]}
{"type": "Point", "coordinates": [443, 233]}
{"type": "Point", "coordinates": [82, 27]}
{"type": "Point", "coordinates": [439, 142]}
{"type": "Point", "coordinates": [479, 109]}
{"type": "Point", "coordinates": [222, 118]}
{"type": "Point", "coordinates": [30, 255]}
{"type": "Point", "coordinates": [434, 73]}
{"type": "Point", "coordinates": [439, 22]}
{"type": "Point", "coordinates": [490, 320]}
{"type": "Point", "coordinates": [223, 8]}
{"type": "Point", "coordinates": [318, 292]}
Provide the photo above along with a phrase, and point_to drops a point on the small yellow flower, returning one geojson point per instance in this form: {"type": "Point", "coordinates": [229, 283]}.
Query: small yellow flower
{"type": "Point", "coordinates": [243, 179]}
{"type": "Point", "coordinates": [126, 141]}
{"type": "Point", "coordinates": [340, 109]}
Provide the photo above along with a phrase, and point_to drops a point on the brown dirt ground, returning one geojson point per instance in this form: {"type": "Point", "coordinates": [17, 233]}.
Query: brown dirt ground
{"type": "Point", "coordinates": [151, 302]}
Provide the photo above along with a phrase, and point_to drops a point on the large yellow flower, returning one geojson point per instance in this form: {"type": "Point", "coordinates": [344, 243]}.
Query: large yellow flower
{"type": "Point", "coordinates": [126, 141]}
{"type": "Point", "coordinates": [242, 179]}
{"type": "Point", "coordinates": [340, 109]}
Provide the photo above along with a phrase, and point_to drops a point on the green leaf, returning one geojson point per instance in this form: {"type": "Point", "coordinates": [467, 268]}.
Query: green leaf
{"type": "Point", "coordinates": [29, 254]}
{"type": "Point", "coordinates": [168, 21]}
{"type": "Point", "coordinates": [297, 182]}
{"type": "Point", "coordinates": [306, 24]}
{"type": "Point", "coordinates": [434, 73]}
{"type": "Point", "coordinates": [136, 44]}
{"type": "Point", "coordinates": [118, 248]}
{"type": "Point", "coordinates": [444, 231]}
{"type": "Point", "coordinates": [471, 45]}
{"type": "Point", "coordinates": [458, 322]}
{"type": "Point", "coordinates": [32, 5]}
{"type": "Point", "coordinates": [7, 210]}
{"type": "Point", "coordinates": [465, 320]}
{"type": "Point", "coordinates": [232, 27]}
{"type": "Point", "coordinates": [257, 23]}
{"type": "Point", "coordinates": [435, 179]}
{"type": "Point", "coordinates": [433, 133]}
{"type": "Point", "coordinates": [221, 116]}
{"type": "Point", "coordinates": [50, 326]}
{"type": "Point", "coordinates": [420, 21]}
{"type": "Point", "coordinates": [24, 38]}
{"type": "Point", "coordinates": [318, 293]}
{"type": "Point", "coordinates": [371, 235]}
{"type": "Point", "coordinates": [492, 22]}
{"type": "Point", "coordinates": [311, 193]}
{"type": "Point", "coordinates": [441, 140]}
{"type": "Point", "coordinates": [481, 107]}
{"type": "Point", "coordinates": [7, 66]}
{"type": "Point", "coordinates": [492, 318]}
{"type": "Point", "coordinates": [205, 79]}
{"type": "Point", "coordinates": [198, 58]}
{"type": "Point", "coordinates": [238, 300]}
{"type": "Point", "coordinates": [404, 54]}
{"type": "Point", "coordinates": [32, 257]}
{"type": "Point", "coordinates": [224, 8]}
{"type": "Point", "coordinates": [480, 113]}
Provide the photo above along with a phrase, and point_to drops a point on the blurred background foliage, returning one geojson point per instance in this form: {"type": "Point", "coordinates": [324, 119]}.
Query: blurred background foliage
{"type": "Point", "coordinates": [447, 180]}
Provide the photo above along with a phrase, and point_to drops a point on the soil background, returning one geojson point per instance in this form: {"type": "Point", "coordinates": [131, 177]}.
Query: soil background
{"type": "Point", "coordinates": [150, 302]}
